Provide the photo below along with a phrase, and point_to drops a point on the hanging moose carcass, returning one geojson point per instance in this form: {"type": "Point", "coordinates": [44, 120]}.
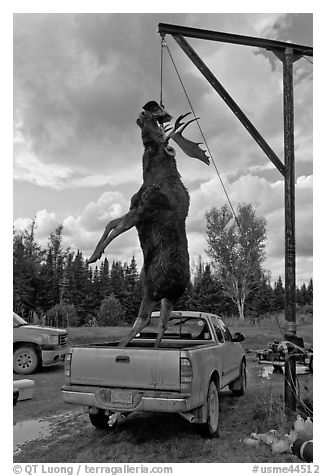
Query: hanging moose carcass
{"type": "Point", "coordinates": [158, 211]}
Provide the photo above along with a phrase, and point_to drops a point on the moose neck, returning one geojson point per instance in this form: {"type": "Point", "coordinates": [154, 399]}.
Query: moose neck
{"type": "Point", "coordinates": [159, 165]}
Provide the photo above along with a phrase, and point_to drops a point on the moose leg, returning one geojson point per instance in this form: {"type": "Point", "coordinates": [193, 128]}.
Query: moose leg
{"type": "Point", "coordinates": [113, 229]}
{"type": "Point", "coordinates": [142, 320]}
{"type": "Point", "coordinates": [166, 309]}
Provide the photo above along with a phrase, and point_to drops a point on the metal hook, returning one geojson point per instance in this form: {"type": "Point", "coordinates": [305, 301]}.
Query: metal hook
{"type": "Point", "coordinates": [163, 41]}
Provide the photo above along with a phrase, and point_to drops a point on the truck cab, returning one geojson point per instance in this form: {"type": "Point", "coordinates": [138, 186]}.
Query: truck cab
{"type": "Point", "coordinates": [34, 346]}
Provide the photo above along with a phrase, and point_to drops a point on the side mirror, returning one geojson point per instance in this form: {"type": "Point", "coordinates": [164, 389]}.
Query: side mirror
{"type": "Point", "coordinates": [238, 337]}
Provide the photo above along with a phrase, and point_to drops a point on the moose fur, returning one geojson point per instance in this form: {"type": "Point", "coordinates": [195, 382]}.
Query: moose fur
{"type": "Point", "coordinates": [158, 211]}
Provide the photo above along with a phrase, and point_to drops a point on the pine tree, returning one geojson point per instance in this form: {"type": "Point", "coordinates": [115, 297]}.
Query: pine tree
{"type": "Point", "coordinates": [204, 289]}
{"type": "Point", "coordinates": [88, 289]}
{"type": "Point", "coordinates": [48, 292]}
{"type": "Point", "coordinates": [301, 295]}
{"type": "Point", "coordinates": [278, 295]}
{"type": "Point", "coordinates": [310, 291]}
{"type": "Point", "coordinates": [304, 294]}
{"type": "Point", "coordinates": [27, 260]}
{"type": "Point", "coordinates": [104, 279]}
{"type": "Point", "coordinates": [185, 303]}
{"type": "Point", "coordinates": [132, 291]}
{"type": "Point", "coordinates": [69, 278]}
{"type": "Point", "coordinates": [22, 278]}
{"type": "Point", "coordinates": [207, 292]}
{"type": "Point", "coordinates": [55, 264]}
{"type": "Point", "coordinates": [261, 300]}
{"type": "Point", "coordinates": [78, 288]}
{"type": "Point", "coordinates": [96, 291]}
{"type": "Point", "coordinates": [117, 279]}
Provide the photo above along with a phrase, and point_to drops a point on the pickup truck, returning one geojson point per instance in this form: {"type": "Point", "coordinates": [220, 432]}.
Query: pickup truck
{"type": "Point", "coordinates": [37, 345]}
{"type": "Point", "coordinates": [197, 357]}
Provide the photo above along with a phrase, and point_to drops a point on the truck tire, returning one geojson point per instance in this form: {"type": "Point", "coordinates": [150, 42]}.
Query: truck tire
{"type": "Point", "coordinates": [211, 426]}
{"type": "Point", "coordinates": [26, 360]}
{"type": "Point", "coordinates": [100, 420]}
{"type": "Point", "coordinates": [239, 385]}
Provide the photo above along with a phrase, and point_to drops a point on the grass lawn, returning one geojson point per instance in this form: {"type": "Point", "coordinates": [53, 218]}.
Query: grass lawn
{"type": "Point", "coordinates": [152, 438]}
{"type": "Point", "coordinates": [256, 337]}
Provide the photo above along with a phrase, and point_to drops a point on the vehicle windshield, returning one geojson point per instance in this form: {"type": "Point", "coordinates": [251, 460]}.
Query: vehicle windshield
{"type": "Point", "coordinates": [180, 327]}
{"type": "Point", "coordinates": [19, 321]}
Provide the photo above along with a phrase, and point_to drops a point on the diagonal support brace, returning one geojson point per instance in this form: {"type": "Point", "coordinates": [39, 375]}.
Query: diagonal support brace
{"type": "Point", "coordinates": [201, 66]}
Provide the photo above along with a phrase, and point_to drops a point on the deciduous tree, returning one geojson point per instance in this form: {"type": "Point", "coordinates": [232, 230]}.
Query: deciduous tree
{"type": "Point", "coordinates": [111, 312]}
{"type": "Point", "coordinates": [237, 250]}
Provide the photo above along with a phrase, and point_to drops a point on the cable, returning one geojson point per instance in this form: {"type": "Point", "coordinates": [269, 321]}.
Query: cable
{"type": "Point", "coordinates": [204, 139]}
{"type": "Point", "coordinates": [297, 394]}
{"type": "Point", "coordinates": [279, 326]}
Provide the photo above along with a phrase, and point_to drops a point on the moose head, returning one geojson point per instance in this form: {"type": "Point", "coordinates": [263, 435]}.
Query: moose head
{"type": "Point", "coordinates": [151, 121]}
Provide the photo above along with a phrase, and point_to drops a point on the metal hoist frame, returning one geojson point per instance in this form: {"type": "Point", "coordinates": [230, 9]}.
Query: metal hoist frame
{"type": "Point", "coordinates": [288, 53]}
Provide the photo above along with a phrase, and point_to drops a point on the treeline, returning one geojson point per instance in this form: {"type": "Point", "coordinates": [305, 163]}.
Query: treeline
{"type": "Point", "coordinates": [57, 287]}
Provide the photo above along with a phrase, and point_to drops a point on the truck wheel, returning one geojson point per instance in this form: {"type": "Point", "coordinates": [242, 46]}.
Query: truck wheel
{"type": "Point", "coordinates": [211, 426]}
{"type": "Point", "coordinates": [238, 386]}
{"type": "Point", "coordinates": [26, 360]}
{"type": "Point", "coordinates": [100, 420]}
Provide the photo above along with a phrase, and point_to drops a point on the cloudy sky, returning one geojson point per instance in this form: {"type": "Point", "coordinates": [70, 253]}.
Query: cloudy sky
{"type": "Point", "coordinates": [80, 81]}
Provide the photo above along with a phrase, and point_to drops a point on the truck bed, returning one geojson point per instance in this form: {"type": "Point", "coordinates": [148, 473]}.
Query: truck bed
{"type": "Point", "coordinates": [149, 344]}
{"type": "Point", "coordinates": [176, 377]}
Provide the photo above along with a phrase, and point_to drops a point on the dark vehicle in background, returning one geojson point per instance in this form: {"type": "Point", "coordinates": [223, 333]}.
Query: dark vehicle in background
{"type": "Point", "coordinates": [35, 346]}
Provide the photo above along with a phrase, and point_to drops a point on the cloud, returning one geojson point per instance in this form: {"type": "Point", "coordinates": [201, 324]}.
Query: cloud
{"type": "Point", "coordinates": [76, 97]}
{"type": "Point", "coordinates": [29, 168]}
{"type": "Point", "coordinates": [46, 223]}
{"type": "Point", "coordinates": [80, 81]}
{"type": "Point", "coordinates": [268, 199]}
{"type": "Point", "coordinates": [21, 224]}
{"type": "Point", "coordinates": [79, 84]}
{"type": "Point", "coordinates": [109, 206]}
{"type": "Point", "coordinates": [83, 231]}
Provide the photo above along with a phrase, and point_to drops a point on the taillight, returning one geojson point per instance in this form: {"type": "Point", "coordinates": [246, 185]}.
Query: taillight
{"type": "Point", "coordinates": [67, 368]}
{"type": "Point", "coordinates": [185, 371]}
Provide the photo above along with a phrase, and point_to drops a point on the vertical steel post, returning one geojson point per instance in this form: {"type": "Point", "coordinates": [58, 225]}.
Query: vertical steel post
{"type": "Point", "coordinates": [289, 201]}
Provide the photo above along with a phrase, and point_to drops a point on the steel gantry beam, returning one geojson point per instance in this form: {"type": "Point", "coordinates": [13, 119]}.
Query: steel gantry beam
{"type": "Point", "coordinates": [288, 53]}
{"type": "Point", "coordinates": [165, 28]}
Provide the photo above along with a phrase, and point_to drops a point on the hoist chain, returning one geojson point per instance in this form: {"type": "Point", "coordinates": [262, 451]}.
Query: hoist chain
{"type": "Point", "coordinates": [163, 45]}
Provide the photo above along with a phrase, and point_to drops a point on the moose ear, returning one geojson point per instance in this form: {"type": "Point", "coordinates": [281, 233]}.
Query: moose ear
{"type": "Point", "coordinates": [170, 151]}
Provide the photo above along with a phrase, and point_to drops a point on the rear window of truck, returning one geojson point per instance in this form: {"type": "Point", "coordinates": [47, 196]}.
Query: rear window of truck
{"type": "Point", "coordinates": [183, 327]}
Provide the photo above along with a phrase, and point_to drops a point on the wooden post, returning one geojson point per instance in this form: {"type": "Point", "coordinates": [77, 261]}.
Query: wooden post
{"type": "Point", "coordinates": [289, 202]}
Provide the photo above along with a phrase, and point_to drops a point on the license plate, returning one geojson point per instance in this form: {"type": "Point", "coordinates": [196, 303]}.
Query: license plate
{"type": "Point", "coordinates": [121, 397]}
